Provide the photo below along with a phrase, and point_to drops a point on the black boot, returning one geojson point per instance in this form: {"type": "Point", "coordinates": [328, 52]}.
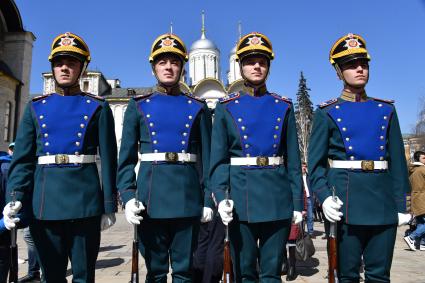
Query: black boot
{"type": "Point", "coordinates": [291, 275]}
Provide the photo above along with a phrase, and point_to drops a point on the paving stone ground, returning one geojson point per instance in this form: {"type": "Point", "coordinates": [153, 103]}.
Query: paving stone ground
{"type": "Point", "coordinates": [114, 260]}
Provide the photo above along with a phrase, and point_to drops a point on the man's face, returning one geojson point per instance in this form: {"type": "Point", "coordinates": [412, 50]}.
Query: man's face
{"type": "Point", "coordinates": [167, 69]}
{"type": "Point", "coordinates": [66, 70]}
{"type": "Point", "coordinates": [422, 158]}
{"type": "Point", "coordinates": [356, 73]}
{"type": "Point", "coordinates": [255, 69]}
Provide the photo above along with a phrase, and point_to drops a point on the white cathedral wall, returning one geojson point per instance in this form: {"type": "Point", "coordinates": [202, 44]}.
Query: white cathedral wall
{"type": "Point", "coordinates": [203, 64]}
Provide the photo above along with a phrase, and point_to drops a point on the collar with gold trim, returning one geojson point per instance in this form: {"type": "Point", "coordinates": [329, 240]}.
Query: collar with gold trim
{"type": "Point", "coordinates": [353, 97]}
{"type": "Point", "coordinates": [68, 90]}
{"type": "Point", "coordinates": [174, 90]}
{"type": "Point", "coordinates": [255, 91]}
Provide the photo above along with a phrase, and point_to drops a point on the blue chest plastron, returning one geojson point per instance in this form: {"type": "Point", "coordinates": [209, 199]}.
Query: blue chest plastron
{"type": "Point", "coordinates": [169, 119]}
{"type": "Point", "coordinates": [63, 122]}
{"type": "Point", "coordinates": [259, 121]}
{"type": "Point", "coordinates": [363, 127]}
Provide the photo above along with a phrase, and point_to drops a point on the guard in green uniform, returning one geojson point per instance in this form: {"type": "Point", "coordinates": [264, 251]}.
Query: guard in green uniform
{"type": "Point", "coordinates": [255, 166]}
{"type": "Point", "coordinates": [54, 170]}
{"type": "Point", "coordinates": [169, 132]}
{"type": "Point", "coordinates": [356, 147]}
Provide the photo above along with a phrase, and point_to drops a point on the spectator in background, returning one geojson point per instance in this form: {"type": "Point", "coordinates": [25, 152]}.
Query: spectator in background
{"type": "Point", "coordinates": [308, 196]}
{"type": "Point", "coordinates": [416, 240]}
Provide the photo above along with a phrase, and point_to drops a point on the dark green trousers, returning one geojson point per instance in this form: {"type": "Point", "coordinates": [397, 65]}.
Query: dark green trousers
{"type": "Point", "coordinates": [375, 243]}
{"type": "Point", "coordinates": [165, 240]}
{"type": "Point", "coordinates": [271, 238]}
{"type": "Point", "coordinates": [56, 241]}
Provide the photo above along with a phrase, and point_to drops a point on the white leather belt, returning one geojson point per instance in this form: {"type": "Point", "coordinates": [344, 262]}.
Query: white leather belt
{"type": "Point", "coordinates": [257, 161]}
{"type": "Point", "coordinates": [365, 165]}
{"type": "Point", "coordinates": [66, 159]}
{"type": "Point", "coordinates": [168, 157]}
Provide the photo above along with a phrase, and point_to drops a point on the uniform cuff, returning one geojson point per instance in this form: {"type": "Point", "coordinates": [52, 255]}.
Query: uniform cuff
{"type": "Point", "coordinates": [127, 195]}
{"type": "Point", "coordinates": [323, 193]}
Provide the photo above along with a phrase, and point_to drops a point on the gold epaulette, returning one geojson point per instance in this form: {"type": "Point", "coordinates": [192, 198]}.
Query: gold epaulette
{"type": "Point", "coordinates": [389, 101]}
{"type": "Point", "coordinates": [140, 96]}
{"type": "Point", "coordinates": [36, 98]}
{"type": "Point", "coordinates": [189, 94]}
{"type": "Point", "coordinates": [229, 97]}
{"type": "Point", "coordinates": [95, 96]}
{"type": "Point", "coordinates": [284, 98]}
{"type": "Point", "coordinates": [327, 103]}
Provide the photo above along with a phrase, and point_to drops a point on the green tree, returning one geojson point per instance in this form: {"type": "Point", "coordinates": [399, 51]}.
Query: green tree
{"type": "Point", "coordinates": [303, 116]}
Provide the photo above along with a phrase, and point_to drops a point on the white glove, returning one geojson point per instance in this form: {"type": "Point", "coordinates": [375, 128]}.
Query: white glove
{"type": "Point", "coordinates": [131, 211]}
{"type": "Point", "coordinates": [107, 221]}
{"type": "Point", "coordinates": [297, 217]}
{"type": "Point", "coordinates": [207, 215]}
{"type": "Point", "coordinates": [9, 213]}
{"type": "Point", "coordinates": [331, 209]}
{"type": "Point", "coordinates": [403, 218]}
{"type": "Point", "coordinates": [225, 208]}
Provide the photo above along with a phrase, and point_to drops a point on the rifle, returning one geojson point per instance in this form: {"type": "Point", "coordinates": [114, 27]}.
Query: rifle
{"type": "Point", "coordinates": [13, 268]}
{"type": "Point", "coordinates": [332, 249]}
{"type": "Point", "coordinates": [135, 253]}
{"type": "Point", "coordinates": [227, 267]}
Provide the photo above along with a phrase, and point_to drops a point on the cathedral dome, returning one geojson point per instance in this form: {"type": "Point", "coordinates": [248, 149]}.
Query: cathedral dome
{"type": "Point", "coordinates": [203, 43]}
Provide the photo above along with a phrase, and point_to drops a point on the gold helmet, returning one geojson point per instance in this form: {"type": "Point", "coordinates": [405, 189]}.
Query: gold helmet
{"type": "Point", "coordinates": [71, 45]}
{"type": "Point", "coordinates": [348, 48]}
{"type": "Point", "coordinates": [254, 43]}
{"type": "Point", "coordinates": [168, 43]}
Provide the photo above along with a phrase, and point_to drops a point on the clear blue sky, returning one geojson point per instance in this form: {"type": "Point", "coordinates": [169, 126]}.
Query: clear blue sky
{"type": "Point", "coordinates": [120, 33]}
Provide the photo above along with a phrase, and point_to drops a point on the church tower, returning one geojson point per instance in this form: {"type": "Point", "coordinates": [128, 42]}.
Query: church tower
{"type": "Point", "coordinates": [234, 72]}
{"type": "Point", "coordinates": [204, 58]}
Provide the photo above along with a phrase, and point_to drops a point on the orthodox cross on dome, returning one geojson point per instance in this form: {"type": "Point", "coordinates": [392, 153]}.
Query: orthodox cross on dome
{"type": "Point", "coordinates": [240, 29]}
{"type": "Point", "coordinates": [171, 27]}
{"type": "Point", "coordinates": [203, 25]}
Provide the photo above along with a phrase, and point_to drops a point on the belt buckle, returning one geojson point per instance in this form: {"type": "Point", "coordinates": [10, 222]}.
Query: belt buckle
{"type": "Point", "coordinates": [171, 157]}
{"type": "Point", "coordinates": [61, 159]}
{"type": "Point", "coordinates": [262, 161]}
{"type": "Point", "coordinates": [368, 165]}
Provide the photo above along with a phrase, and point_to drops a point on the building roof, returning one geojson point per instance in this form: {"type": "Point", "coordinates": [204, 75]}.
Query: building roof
{"type": "Point", "coordinates": [129, 92]}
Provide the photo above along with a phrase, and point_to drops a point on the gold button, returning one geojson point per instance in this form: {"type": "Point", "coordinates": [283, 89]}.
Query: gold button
{"type": "Point", "coordinates": [350, 147]}
{"type": "Point", "coordinates": [88, 101]}
{"type": "Point", "coordinates": [151, 124]}
{"type": "Point", "coordinates": [381, 147]}
{"type": "Point", "coordinates": [41, 117]}
{"type": "Point", "coordinates": [86, 117]}
{"type": "Point", "coordinates": [383, 127]}
{"type": "Point", "coordinates": [245, 137]}
{"type": "Point", "coordinates": [189, 101]}
{"type": "Point", "coordinates": [183, 142]}
{"type": "Point", "coordinates": [43, 126]}
{"type": "Point", "coordinates": [279, 119]}
{"type": "Point", "coordinates": [351, 157]}
{"type": "Point", "coordinates": [236, 101]}
{"type": "Point", "coordinates": [46, 143]}
{"type": "Point", "coordinates": [77, 153]}
{"type": "Point", "coordinates": [187, 125]}
{"type": "Point", "coordinates": [339, 119]}
{"type": "Point", "coordinates": [190, 117]}
{"type": "Point", "coordinates": [276, 127]}
{"type": "Point", "coordinates": [79, 135]}
{"type": "Point", "coordinates": [156, 151]}
{"type": "Point", "coordinates": [385, 117]}
{"type": "Point", "coordinates": [276, 101]}
{"type": "Point", "coordinates": [379, 105]}
{"type": "Point", "coordinates": [184, 134]}
{"type": "Point", "coordinates": [43, 101]}
{"type": "Point", "coordinates": [243, 128]}
{"type": "Point", "coordinates": [155, 141]}
{"type": "Point", "coordinates": [381, 158]}
{"type": "Point", "coordinates": [239, 120]}
{"type": "Point", "coordinates": [337, 107]}
{"type": "Point", "coordinates": [275, 136]}
{"type": "Point", "coordinates": [47, 153]}
{"type": "Point", "coordinates": [247, 145]}
{"type": "Point", "coordinates": [82, 126]}
{"type": "Point", "coordinates": [275, 145]}
{"type": "Point", "coordinates": [381, 137]}
{"type": "Point", "coordinates": [153, 133]}
{"type": "Point", "coordinates": [77, 143]}
{"type": "Point", "coordinates": [148, 115]}
{"type": "Point", "coordinates": [46, 135]}
{"type": "Point", "coordinates": [347, 139]}
{"type": "Point", "coordinates": [344, 129]}
{"type": "Point", "coordinates": [148, 100]}
{"type": "Point", "coordinates": [248, 155]}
